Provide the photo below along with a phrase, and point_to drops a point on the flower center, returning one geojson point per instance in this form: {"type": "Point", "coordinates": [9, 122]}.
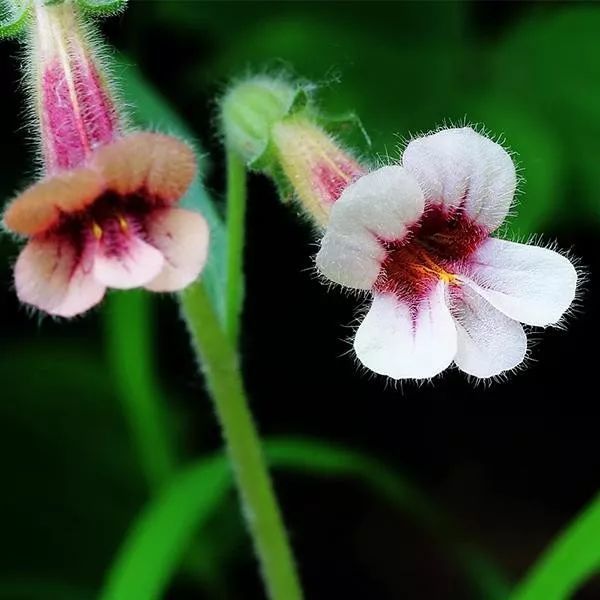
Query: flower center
{"type": "Point", "coordinates": [432, 251]}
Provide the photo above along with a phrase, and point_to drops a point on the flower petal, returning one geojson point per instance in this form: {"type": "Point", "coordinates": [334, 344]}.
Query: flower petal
{"type": "Point", "coordinates": [405, 342]}
{"type": "Point", "coordinates": [488, 341]}
{"type": "Point", "coordinates": [160, 164]}
{"type": "Point", "coordinates": [136, 264]}
{"type": "Point", "coordinates": [41, 206]}
{"type": "Point", "coordinates": [379, 206]}
{"type": "Point", "coordinates": [461, 169]}
{"type": "Point", "coordinates": [530, 284]}
{"type": "Point", "coordinates": [48, 276]}
{"type": "Point", "coordinates": [182, 236]}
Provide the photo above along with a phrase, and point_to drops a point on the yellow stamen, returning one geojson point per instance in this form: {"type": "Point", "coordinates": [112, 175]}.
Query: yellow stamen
{"type": "Point", "coordinates": [97, 230]}
{"type": "Point", "coordinates": [435, 269]}
{"type": "Point", "coordinates": [123, 223]}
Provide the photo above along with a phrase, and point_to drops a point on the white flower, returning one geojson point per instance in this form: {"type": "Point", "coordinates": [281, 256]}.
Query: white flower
{"type": "Point", "coordinates": [418, 237]}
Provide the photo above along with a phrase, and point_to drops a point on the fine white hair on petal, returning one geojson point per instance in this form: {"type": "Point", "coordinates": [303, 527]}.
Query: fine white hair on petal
{"type": "Point", "coordinates": [134, 266]}
{"type": "Point", "coordinates": [460, 169]}
{"type": "Point", "coordinates": [381, 205]}
{"type": "Point", "coordinates": [527, 283]}
{"type": "Point", "coordinates": [489, 342]}
{"type": "Point", "coordinates": [405, 342]}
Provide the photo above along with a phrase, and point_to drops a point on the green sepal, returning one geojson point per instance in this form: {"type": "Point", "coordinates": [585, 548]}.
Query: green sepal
{"type": "Point", "coordinates": [342, 123]}
{"type": "Point", "coordinates": [101, 8]}
{"type": "Point", "coordinates": [247, 124]}
{"type": "Point", "coordinates": [17, 14]}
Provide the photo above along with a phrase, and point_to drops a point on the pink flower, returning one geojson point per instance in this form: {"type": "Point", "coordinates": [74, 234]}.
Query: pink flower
{"type": "Point", "coordinates": [104, 215]}
{"type": "Point", "coordinates": [111, 222]}
{"type": "Point", "coordinates": [417, 236]}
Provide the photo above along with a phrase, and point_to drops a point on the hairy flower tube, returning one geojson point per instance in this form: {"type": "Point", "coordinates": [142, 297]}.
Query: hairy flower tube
{"type": "Point", "coordinates": [104, 213]}
{"type": "Point", "coordinates": [417, 235]}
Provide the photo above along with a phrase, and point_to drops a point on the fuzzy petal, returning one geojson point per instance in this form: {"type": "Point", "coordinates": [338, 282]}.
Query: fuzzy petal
{"type": "Point", "coordinates": [379, 206]}
{"type": "Point", "coordinates": [530, 284]}
{"type": "Point", "coordinates": [488, 341]}
{"type": "Point", "coordinates": [161, 165]}
{"type": "Point", "coordinates": [40, 206]}
{"type": "Point", "coordinates": [401, 343]}
{"type": "Point", "coordinates": [460, 169]}
{"type": "Point", "coordinates": [48, 276]}
{"type": "Point", "coordinates": [135, 265]}
{"type": "Point", "coordinates": [182, 236]}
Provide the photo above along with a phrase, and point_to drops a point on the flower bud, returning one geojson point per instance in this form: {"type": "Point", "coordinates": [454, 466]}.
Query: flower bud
{"type": "Point", "coordinates": [75, 110]}
{"type": "Point", "coordinates": [314, 164]}
{"type": "Point", "coordinates": [249, 111]}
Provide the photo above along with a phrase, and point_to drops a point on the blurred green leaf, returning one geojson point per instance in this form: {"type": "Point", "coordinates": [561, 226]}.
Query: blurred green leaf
{"type": "Point", "coordinates": [571, 559]}
{"type": "Point", "coordinates": [69, 473]}
{"type": "Point", "coordinates": [129, 337]}
{"type": "Point", "coordinates": [149, 109]}
{"type": "Point", "coordinates": [539, 157]}
{"type": "Point", "coordinates": [152, 551]}
{"type": "Point", "coordinates": [550, 63]}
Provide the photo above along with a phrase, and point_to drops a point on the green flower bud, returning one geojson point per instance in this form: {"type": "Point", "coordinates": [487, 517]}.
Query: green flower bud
{"type": "Point", "coordinates": [249, 111]}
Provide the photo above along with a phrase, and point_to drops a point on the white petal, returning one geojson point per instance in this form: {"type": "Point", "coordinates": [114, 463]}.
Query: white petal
{"type": "Point", "coordinates": [48, 276]}
{"type": "Point", "coordinates": [381, 205]}
{"type": "Point", "coordinates": [530, 284]}
{"type": "Point", "coordinates": [182, 236]}
{"type": "Point", "coordinates": [136, 265]}
{"type": "Point", "coordinates": [488, 341]}
{"type": "Point", "coordinates": [402, 343]}
{"type": "Point", "coordinates": [461, 169]}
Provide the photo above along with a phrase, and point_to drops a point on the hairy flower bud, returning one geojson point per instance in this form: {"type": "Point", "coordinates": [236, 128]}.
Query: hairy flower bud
{"type": "Point", "coordinates": [274, 127]}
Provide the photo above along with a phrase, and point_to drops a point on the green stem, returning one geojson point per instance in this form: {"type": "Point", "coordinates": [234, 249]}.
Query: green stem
{"type": "Point", "coordinates": [129, 344]}
{"type": "Point", "coordinates": [222, 371]}
{"type": "Point", "coordinates": [572, 558]}
{"type": "Point", "coordinates": [236, 215]}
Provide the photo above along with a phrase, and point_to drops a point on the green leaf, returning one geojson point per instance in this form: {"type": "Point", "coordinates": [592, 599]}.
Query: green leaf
{"type": "Point", "coordinates": [571, 559]}
{"type": "Point", "coordinates": [158, 539]}
{"type": "Point", "coordinates": [550, 65]}
{"type": "Point", "coordinates": [102, 8]}
{"type": "Point", "coordinates": [13, 17]}
{"type": "Point", "coordinates": [129, 339]}
{"type": "Point", "coordinates": [150, 110]}
{"type": "Point", "coordinates": [539, 157]}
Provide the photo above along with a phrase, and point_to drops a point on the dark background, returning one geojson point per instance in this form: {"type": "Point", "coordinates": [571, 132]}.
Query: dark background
{"type": "Point", "coordinates": [512, 462]}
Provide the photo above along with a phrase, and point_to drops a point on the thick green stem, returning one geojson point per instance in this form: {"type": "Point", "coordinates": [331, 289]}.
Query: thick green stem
{"type": "Point", "coordinates": [236, 215]}
{"type": "Point", "coordinates": [129, 341]}
{"type": "Point", "coordinates": [221, 367]}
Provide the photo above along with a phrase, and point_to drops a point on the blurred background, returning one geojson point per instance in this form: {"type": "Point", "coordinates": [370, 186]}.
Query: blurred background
{"type": "Point", "coordinates": [502, 467]}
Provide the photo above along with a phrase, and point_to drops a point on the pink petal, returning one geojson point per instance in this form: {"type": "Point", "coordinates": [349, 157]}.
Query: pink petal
{"type": "Point", "coordinates": [49, 277]}
{"type": "Point", "coordinates": [133, 265]}
{"type": "Point", "coordinates": [182, 236]}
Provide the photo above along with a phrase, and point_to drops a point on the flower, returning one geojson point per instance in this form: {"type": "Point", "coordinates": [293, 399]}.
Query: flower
{"type": "Point", "coordinates": [103, 215]}
{"type": "Point", "coordinates": [110, 222]}
{"type": "Point", "coordinates": [417, 235]}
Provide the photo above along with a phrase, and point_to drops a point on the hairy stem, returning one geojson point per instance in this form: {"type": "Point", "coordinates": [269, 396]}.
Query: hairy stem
{"type": "Point", "coordinates": [220, 364]}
